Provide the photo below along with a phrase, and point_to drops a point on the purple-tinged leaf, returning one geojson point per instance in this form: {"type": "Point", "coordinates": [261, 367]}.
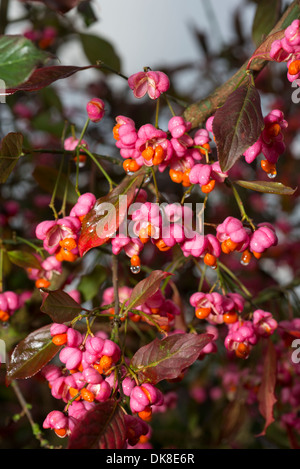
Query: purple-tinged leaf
{"type": "Point", "coordinates": [237, 124]}
{"type": "Point", "coordinates": [263, 51]}
{"type": "Point", "coordinates": [59, 306]}
{"type": "Point", "coordinates": [45, 76]}
{"type": "Point", "coordinates": [146, 288]}
{"type": "Point", "coordinates": [47, 177]}
{"type": "Point", "coordinates": [168, 357]}
{"type": "Point", "coordinates": [31, 355]}
{"type": "Point", "coordinates": [103, 427]}
{"type": "Point", "coordinates": [109, 212]}
{"type": "Point", "coordinates": [266, 393]}
{"type": "Point", "coordinates": [268, 187]}
{"type": "Point", "coordinates": [61, 6]}
{"type": "Point", "coordinates": [233, 417]}
{"type": "Point", "coordinates": [24, 259]}
{"type": "Point", "coordinates": [10, 152]}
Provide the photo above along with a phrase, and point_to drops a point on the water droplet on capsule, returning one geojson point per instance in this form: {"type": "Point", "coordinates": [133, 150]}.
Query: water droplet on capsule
{"type": "Point", "coordinates": [244, 262]}
{"type": "Point", "coordinates": [135, 269]}
{"type": "Point", "coordinates": [272, 175]}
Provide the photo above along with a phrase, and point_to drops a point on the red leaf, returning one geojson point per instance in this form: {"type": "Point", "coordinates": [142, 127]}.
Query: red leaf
{"type": "Point", "coordinates": [102, 222]}
{"type": "Point", "coordinates": [43, 77]}
{"type": "Point", "coordinates": [103, 427]}
{"type": "Point", "coordinates": [167, 358]}
{"type": "Point", "coordinates": [31, 355]}
{"type": "Point", "coordinates": [266, 393]}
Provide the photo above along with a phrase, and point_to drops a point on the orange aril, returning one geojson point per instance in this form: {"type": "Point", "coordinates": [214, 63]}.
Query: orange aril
{"type": "Point", "coordinates": [257, 255]}
{"type": "Point", "coordinates": [133, 166]}
{"type": "Point", "coordinates": [68, 256]}
{"type": "Point", "coordinates": [242, 350]}
{"type": "Point", "coordinates": [42, 283]}
{"type": "Point", "coordinates": [104, 364]}
{"type": "Point", "coordinates": [294, 67]}
{"type": "Point", "coordinates": [161, 245]}
{"type": "Point", "coordinates": [246, 257]}
{"type": "Point", "coordinates": [61, 432]}
{"type": "Point", "coordinates": [230, 318]}
{"type": "Point", "coordinates": [207, 188]}
{"type": "Point", "coordinates": [202, 313]}
{"type": "Point", "coordinates": [205, 148]}
{"type": "Point", "coordinates": [267, 167]}
{"type": "Point", "coordinates": [148, 153]}
{"type": "Point", "coordinates": [59, 339]}
{"type": "Point", "coordinates": [4, 316]}
{"type": "Point", "coordinates": [135, 261]}
{"type": "Point", "coordinates": [159, 155]}
{"type": "Point", "coordinates": [116, 131]}
{"type": "Point", "coordinates": [176, 176]}
{"type": "Point", "coordinates": [210, 259]}
{"type": "Point", "coordinates": [68, 244]}
{"type": "Point", "coordinates": [146, 414]}
{"type": "Point", "coordinates": [87, 395]}
{"type": "Point", "coordinates": [274, 129]}
{"type": "Point", "coordinates": [73, 392]}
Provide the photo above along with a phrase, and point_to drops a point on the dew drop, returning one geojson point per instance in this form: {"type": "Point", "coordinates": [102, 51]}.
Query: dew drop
{"type": "Point", "coordinates": [135, 269]}
{"type": "Point", "coordinates": [244, 262]}
{"type": "Point", "coordinates": [272, 175]}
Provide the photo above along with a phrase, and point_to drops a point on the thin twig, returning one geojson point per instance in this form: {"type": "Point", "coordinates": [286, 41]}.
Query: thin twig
{"type": "Point", "coordinates": [35, 428]}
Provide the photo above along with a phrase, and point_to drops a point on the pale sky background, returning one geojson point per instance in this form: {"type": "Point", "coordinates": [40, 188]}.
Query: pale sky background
{"type": "Point", "coordinates": [159, 31]}
{"type": "Point", "coordinates": [146, 33]}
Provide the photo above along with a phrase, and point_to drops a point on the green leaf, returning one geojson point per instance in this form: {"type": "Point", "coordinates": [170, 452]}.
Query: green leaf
{"type": "Point", "coordinates": [268, 187]}
{"type": "Point", "coordinates": [266, 16]}
{"type": "Point", "coordinates": [31, 355]}
{"type": "Point", "coordinates": [237, 124]}
{"type": "Point", "coordinates": [98, 49]}
{"type": "Point", "coordinates": [24, 259]}
{"type": "Point", "coordinates": [46, 177]}
{"type": "Point", "coordinates": [60, 306]}
{"type": "Point", "coordinates": [89, 284]}
{"type": "Point", "coordinates": [18, 58]}
{"type": "Point", "coordinates": [86, 10]}
{"type": "Point", "coordinates": [10, 152]}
